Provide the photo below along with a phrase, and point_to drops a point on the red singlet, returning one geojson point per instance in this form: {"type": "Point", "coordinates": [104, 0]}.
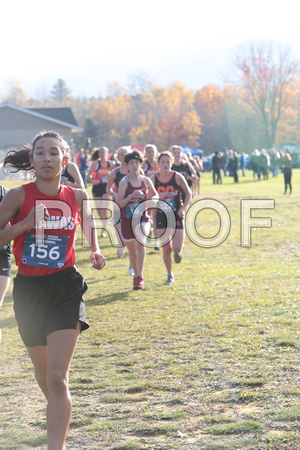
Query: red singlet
{"type": "Point", "coordinates": [57, 252]}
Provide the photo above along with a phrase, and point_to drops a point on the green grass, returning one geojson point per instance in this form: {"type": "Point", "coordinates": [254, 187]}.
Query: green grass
{"type": "Point", "coordinates": [214, 357]}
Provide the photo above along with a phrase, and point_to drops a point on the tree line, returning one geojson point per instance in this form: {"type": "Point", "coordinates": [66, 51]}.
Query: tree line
{"type": "Point", "coordinates": [257, 108]}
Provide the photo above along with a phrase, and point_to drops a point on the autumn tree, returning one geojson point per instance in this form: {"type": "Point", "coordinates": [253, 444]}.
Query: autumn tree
{"type": "Point", "coordinates": [17, 94]}
{"type": "Point", "coordinates": [288, 128]}
{"type": "Point", "coordinates": [211, 105]}
{"type": "Point", "coordinates": [166, 116]}
{"type": "Point", "coordinates": [265, 71]}
{"type": "Point", "coordinates": [113, 117]}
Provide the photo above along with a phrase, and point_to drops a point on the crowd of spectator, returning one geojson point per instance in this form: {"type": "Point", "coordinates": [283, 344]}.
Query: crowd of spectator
{"type": "Point", "coordinates": [262, 164]}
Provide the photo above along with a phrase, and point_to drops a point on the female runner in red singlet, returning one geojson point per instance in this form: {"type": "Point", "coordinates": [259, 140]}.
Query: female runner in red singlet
{"type": "Point", "coordinates": [5, 261]}
{"type": "Point", "coordinates": [98, 175]}
{"type": "Point", "coordinates": [48, 290]}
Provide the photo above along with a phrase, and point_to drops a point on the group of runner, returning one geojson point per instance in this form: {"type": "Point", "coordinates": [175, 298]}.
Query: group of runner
{"type": "Point", "coordinates": [131, 180]}
{"type": "Point", "coordinates": [48, 290]}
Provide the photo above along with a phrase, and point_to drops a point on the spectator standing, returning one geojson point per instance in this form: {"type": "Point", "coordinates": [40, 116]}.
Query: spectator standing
{"type": "Point", "coordinates": [255, 164]}
{"type": "Point", "coordinates": [287, 171]}
{"type": "Point", "coordinates": [216, 168]}
{"type": "Point", "coordinates": [274, 162]}
{"type": "Point", "coordinates": [264, 163]}
{"type": "Point", "coordinates": [235, 166]}
{"type": "Point", "coordinates": [84, 165]}
{"type": "Point", "coordinates": [243, 163]}
{"type": "Point", "coordinates": [225, 161]}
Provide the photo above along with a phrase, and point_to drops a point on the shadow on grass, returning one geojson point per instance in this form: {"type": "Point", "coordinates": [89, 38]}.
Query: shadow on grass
{"type": "Point", "coordinates": [110, 298]}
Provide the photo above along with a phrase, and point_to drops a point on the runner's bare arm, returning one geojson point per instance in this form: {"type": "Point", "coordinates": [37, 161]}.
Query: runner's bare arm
{"type": "Point", "coordinates": [74, 172]}
{"type": "Point", "coordinates": [110, 182]}
{"type": "Point", "coordinates": [9, 209]}
{"type": "Point", "coordinates": [152, 192]}
{"type": "Point", "coordinates": [90, 172]}
{"type": "Point", "coordinates": [120, 199]}
{"type": "Point", "coordinates": [89, 229]}
{"type": "Point", "coordinates": [188, 193]}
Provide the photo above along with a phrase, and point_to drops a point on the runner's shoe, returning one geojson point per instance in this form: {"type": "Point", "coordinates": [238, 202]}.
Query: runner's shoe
{"type": "Point", "coordinates": [138, 282]}
{"type": "Point", "coordinates": [120, 252]}
{"type": "Point", "coordinates": [177, 257]}
{"type": "Point", "coordinates": [131, 271]}
{"type": "Point", "coordinates": [170, 278]}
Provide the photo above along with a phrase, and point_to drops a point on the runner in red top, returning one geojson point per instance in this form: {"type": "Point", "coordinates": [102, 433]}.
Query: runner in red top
{"type": "Point", "coordinates": [98, 174]}
{"type": "Point", "coordinates": [5, 261]}
{"type": "Point", "coordinates": [133, 190]}
{"type": "Point", "coordinates": [49, 309]}
{"type": "Point", "coordinates": [58, 253]}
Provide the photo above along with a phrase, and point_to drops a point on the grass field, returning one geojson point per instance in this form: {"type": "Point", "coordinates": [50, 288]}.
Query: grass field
{"type": "Point", "coordinates": [211, 362]}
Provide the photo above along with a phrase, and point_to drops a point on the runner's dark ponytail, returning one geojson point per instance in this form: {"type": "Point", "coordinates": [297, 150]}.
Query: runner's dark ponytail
{"type": "Point", "coordinates": [19, 158]}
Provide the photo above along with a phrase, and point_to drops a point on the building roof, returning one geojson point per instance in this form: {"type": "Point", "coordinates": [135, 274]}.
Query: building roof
{"type": "Point", "coordinates": [61, 116]}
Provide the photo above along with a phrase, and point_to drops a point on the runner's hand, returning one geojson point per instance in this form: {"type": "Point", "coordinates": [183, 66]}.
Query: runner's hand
{"type": "Point", "coordinates": [37, 213]}
{"type": "Point", "coordinates": [181, 213]}
{"type": "Point", "coordinates": [98, 260]}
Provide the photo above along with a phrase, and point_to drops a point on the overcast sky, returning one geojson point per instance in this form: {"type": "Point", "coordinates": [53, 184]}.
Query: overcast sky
{"type": "Point", "coordinates": [94, 42]}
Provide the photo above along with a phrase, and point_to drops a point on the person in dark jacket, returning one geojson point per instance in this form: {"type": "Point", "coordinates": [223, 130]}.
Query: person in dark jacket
{"type": "Point", "coordinates": [216, 168]}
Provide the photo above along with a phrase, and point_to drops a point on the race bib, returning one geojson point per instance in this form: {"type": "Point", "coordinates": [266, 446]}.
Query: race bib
{"type": "Point", "coordinates": [129, 210]}
{"type": "Point", "coordinates": [171, 203]}
{"type": "Point", "coordinates": [52, 254]}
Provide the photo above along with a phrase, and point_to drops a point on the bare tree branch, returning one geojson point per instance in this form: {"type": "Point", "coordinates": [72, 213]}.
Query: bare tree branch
{"type": "Point", "coordinates": [265, 71]}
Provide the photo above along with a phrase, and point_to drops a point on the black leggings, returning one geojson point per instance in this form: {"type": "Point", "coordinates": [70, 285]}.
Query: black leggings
{"type": "Point", "coordinates": [287, 179]}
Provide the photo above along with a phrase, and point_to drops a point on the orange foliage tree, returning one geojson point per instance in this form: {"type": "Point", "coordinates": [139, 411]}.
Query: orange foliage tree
{"type": "Point", "coordinates": [210, 104]}
{"type": "Point", "coordinates": [165, 116]}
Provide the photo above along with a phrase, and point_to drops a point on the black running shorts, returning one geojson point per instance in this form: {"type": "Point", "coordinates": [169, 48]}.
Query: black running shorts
{"type": "Point", "coordinates": [49, 303]}
{"type": "Point", "coordinates": [5, 262]}
{"type": "Point", "coordinates": [98, 190]}
{"type": "Point", "coordinates": [161, 221]}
